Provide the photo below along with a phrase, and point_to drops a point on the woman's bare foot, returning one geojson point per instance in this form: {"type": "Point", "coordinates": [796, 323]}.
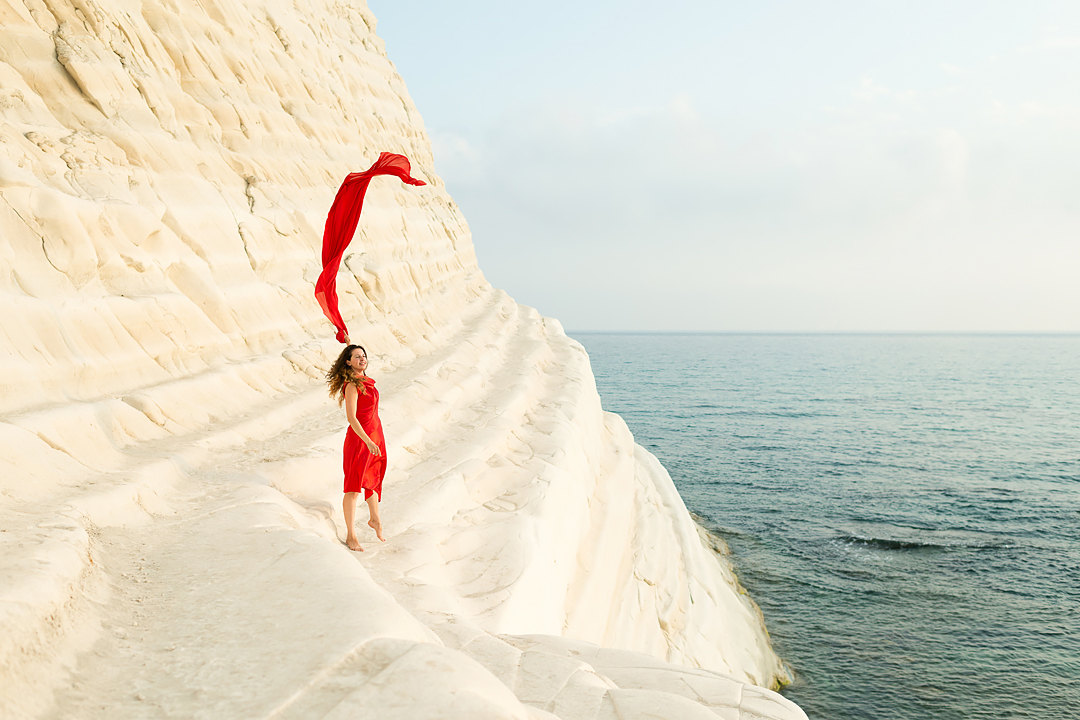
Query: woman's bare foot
{"type": "Point", "coordinates": [376, 525]}
{"type": "Point", "coordinates": [353, 544]}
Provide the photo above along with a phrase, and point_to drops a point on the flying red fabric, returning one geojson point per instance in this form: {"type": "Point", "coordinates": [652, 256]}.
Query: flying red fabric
{"type": "Point", "coordinates": [341, 224]}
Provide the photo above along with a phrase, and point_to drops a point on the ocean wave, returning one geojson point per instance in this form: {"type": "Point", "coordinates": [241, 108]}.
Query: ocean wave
{"type": "Point", "coordinates": [928, 544]}
{"type": "Point", "coordinates": [773, 414]}
{"type": "Point", "coordinates": [890, 543]}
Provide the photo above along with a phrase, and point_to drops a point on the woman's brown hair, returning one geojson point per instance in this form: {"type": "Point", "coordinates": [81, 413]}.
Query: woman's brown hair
{"type": "Point", "coordinates": [340, 375]}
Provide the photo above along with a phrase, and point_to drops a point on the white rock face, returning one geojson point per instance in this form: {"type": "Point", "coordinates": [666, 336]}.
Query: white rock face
{"type": "Point", "coordinates": [170, 474]}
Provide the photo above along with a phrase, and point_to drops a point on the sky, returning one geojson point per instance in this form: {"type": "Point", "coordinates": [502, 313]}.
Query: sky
{"type": "Point", "coordinates": [835, 166]}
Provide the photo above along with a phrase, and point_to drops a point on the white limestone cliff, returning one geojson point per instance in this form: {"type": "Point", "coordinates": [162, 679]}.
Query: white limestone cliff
{"type": "Point", "coordinates": [170, 462]}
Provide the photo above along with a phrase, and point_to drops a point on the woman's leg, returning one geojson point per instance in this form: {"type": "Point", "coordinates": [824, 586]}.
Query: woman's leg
{"type": "Point", "coordinates": [348, 505]}
{"type": "Point", "coordinates": [373, 515]}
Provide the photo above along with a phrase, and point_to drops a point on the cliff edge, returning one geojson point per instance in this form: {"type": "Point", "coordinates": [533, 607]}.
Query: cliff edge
{"type": "Point", "coordinates": [169, 459]}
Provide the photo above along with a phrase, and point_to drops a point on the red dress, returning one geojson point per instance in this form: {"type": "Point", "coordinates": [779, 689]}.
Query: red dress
{"type": "Point", "coordinates": [364, 471]}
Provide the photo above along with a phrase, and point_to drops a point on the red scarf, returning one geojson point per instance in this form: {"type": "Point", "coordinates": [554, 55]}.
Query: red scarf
{"type": "Point", "coordinates": [341, 224]}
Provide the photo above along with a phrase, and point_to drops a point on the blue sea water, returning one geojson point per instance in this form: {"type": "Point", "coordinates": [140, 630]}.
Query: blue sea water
{"type": "Point", "coordinates": [905, 509]}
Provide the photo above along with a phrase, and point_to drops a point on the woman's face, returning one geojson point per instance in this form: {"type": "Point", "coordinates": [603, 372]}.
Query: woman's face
{"type": "Point", "coordinates": [358, 361]}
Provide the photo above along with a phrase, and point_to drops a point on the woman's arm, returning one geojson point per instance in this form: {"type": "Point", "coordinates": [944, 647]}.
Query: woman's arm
{"type": "Point", "coordinates": [350, 415]}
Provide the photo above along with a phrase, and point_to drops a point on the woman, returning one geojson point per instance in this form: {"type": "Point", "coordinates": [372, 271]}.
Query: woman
{"type": "Point", "coordinates": [364, 459]}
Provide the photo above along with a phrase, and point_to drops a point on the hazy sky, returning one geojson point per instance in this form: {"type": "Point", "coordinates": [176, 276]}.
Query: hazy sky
{"type": "Point", "coordinates": [851, 165]}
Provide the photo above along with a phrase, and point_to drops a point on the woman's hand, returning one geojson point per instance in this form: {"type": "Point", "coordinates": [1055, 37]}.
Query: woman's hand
{"type": "Point", "coordinates": [372, 447]}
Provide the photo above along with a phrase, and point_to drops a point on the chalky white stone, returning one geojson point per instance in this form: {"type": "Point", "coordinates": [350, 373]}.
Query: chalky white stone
{"type": "Point", "coordinates": [170, 462]}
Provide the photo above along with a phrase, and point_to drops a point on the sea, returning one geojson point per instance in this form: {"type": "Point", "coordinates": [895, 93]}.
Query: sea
{"type": "Point", "coordinates": [905, 509]}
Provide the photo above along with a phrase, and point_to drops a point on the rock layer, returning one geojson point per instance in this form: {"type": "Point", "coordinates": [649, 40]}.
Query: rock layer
{"type": "Point", "coordinates": [170, 468]}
